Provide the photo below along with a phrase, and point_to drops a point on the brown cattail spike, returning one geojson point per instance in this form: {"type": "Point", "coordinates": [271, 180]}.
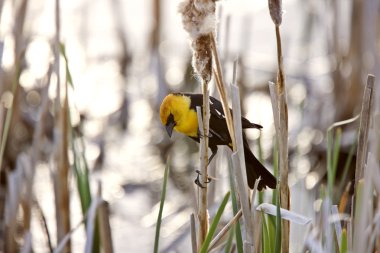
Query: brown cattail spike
{"type": "Point", "coordinates": [275, 10]}
{"type": "Point", "coordinates": [202, 57]}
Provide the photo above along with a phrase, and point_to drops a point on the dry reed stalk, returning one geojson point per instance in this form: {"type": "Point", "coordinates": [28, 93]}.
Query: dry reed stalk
{"type": "Point", "coordinates": [362, 148]}
{"type": "Point", "coordinates": [104, 226]}
{"type": "Point", "coordinates": [258, 231]}
{"type": "Point", "coordinates": [198, 19]}
{"type": "Point", "coordinates": [194, 247]}
{"type": "Point", "coordinates": [155, 35]}
{"type": "Point", "coordinates": [240, 174]}
{"type": "Point", "coordinates": [218, 239]}
{"type": "Point", "coordinates": [360, 221]}
{"type": "Point", "coordinates": [238, 130]}
{"type": "Point", "coordinates": [275, 9]}
{"type": "Point", "coordinates": [284, 170]}
{"type": "Point", "coordinates": [364, 128]}
{"type": "Point", "coordinates": [244, 201]}
{"type": "Point", "coordinates": [279, 107]}
{"type": "Point", "coordinates": [202, 191]}
{"type": "Point", "coordinates": [203, 213]}
{"type": "Point", "coordinates": [256, 220]}
{"type": "Point", "coordinates": [364, 173]}
{"type": "Point", "coordinates": [18, 31]}
{"type": "Point", "coordinates": [370, 221]}
{"type": "Point", "coordinates": [56, 51]}
{"type": "Point", "coordinates": [222, 92]}
{"type": "Point", "coordinates": [61, 184]}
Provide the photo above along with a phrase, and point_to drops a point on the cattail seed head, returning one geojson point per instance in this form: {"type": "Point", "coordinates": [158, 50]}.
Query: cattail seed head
{"type": "Point", "coordinates": [202, 57]}
{"type": "Point", "coordinates": [275, 10]}
{"type": "Point", "coordinates": [198, 19]}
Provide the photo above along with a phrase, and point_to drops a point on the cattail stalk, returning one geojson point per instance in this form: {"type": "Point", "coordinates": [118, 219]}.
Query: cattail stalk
{"type": "Point", "coordinates": [279, 101]}
{"type": "Point", "coordinates": [202, 191]}
{"type": "Point", "coordinates": [61, 184]}
{"type": "Point", "coordinates": [198, 19]}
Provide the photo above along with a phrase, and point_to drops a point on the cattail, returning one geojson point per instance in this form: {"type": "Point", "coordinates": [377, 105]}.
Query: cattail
{"type": "Point", "coordinates": [275, 10]}
{"type": "Point", "coordinates": [202, 57]}
{"type": "Point", "coordinates": [198, 19]}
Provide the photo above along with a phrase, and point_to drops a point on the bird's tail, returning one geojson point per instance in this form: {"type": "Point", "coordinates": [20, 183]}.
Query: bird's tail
{"type": "Point", "coordinates": [255, 170]}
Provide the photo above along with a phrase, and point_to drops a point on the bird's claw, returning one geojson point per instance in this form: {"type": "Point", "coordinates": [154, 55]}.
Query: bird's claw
{"type": "Point", "coordinates": [203, 135]}
{"type": "Point", "coordinates": [198, 182]}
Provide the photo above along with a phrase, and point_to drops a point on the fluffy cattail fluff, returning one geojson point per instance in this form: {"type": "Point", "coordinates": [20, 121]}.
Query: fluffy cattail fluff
{"type": "Point", "coordinates": [198, 19]}
{"type": "Point", "coordinates": [202, 57]}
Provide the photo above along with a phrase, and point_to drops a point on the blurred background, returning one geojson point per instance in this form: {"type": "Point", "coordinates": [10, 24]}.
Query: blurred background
{"type": "Point", "coordinates": [81, 83]}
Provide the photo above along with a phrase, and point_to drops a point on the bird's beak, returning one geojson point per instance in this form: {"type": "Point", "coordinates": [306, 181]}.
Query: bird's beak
{"type": "Point", "coordinates": [169, 127]}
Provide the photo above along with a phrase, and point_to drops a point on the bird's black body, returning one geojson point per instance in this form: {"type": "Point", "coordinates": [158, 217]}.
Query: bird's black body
{"type": "Point", "coordinates": [219, 135]}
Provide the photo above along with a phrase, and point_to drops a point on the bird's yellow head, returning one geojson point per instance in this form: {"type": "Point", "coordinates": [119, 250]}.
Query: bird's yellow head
{"type": "Point", "coordinates": [175, 113]}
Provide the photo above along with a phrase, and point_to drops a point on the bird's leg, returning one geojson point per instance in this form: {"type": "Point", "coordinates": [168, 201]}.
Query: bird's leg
{"type": "Point", "coordinates": [202, 135]}
{"type": "Point", "coordinates": [198, 182]}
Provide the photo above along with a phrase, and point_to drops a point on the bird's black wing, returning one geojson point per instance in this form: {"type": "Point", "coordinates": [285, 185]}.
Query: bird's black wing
{"type": "Point", "coordinates": [217, 110]}
{"type": "Point", "coordinates": [219, 134]}
{"type": "Point", "coordinates": [218, 125]}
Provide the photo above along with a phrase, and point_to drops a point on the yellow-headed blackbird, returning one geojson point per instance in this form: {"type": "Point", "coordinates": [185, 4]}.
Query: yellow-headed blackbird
{"type": "Point", "coordinates": [178, 111]}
